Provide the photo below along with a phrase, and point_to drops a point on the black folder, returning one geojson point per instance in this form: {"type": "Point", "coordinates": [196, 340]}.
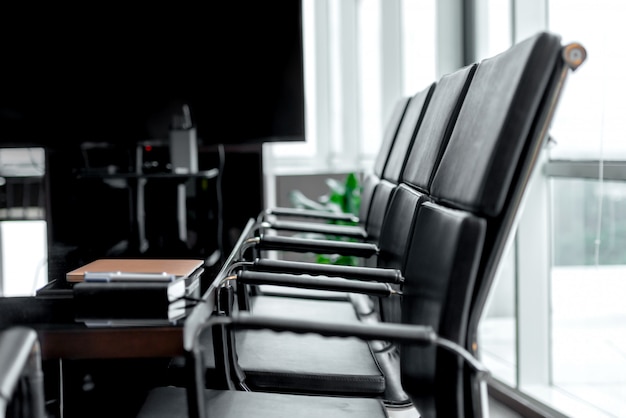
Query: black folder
{"type": "Point", "coordinates": [130, 300]}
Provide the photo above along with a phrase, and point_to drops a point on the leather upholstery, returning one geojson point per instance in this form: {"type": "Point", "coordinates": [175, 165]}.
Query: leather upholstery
{"type": "Point", "coordinates": [493, 124]}
{"type": "Point", "coordinates": [307, 363]}
{"type": "Point", "coordinates": [395, 162]}
{"type": "Point", "coordinates": [389, 136]}
{"type": "Point", "coordinates": [378, 209]}
{"type": "Point", "coordinates": [439, 279]}
{"type": "Point", "coordinates": [434, 133]}
{"type": "Point", "coordinates": [406, 134]}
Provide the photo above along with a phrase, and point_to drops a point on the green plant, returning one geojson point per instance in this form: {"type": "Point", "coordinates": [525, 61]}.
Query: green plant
{"type": "Point", "coordinates": [347, 195]}
{"type": "Point", "coordinates": [343, 197]}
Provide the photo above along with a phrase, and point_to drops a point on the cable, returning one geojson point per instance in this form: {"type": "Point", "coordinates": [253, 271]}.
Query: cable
{"type": "Point", "coordinates": [220, 215]}
{"type": "Point", "coordinates": [481, 370]}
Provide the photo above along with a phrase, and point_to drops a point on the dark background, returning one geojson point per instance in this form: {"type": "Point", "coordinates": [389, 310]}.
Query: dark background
{"type": "Point", "coordinates": [119, 76]}
{"type": "Point", "coordinates": [91, 85]}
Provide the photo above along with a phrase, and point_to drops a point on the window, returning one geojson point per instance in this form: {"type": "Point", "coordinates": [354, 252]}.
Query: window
{"type": "Point", "coordinates": [554, 327]}
{"type": "Point", "coordinates": [360, 57]}
{"type": "Point", "coordinates": [23, 248]}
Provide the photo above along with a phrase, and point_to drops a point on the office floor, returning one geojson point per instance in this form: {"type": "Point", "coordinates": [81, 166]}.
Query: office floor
{"type": "Point", "coordinates": [404, 413]}
{"type": "Point", "coordinates": [496, 410]}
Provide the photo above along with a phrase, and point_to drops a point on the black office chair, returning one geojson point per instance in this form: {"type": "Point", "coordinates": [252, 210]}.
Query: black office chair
{"type": "Point", "coordinates": [371, 362]}
{"type": "Point", "coordinates": [374, 200]}
{"type": "Point", "coordinates": [21, 376]}
{"type": "Point", "coordinates": [500, 154]}
{"type": "Point", "coordinates": [369, 179]}
{"type": "Point", "coordinates": [257, 352]}
{"type": "Point", "coordinates": [446, 253]}
{"type": "Point", "coordinates": [422, 160]}
{"type": "Point", "coordinates": [542, 51]}
{"type": "Point", "coordinates": [496, 163]}
{"type": "Point", "coordinates": [376, 192]}
{"type": "Point", "coordinates": [420, 168]}
{"type": "Point", "coordinates": [415, 167]}
{"type": "Point", "coordinates": [264, 373]}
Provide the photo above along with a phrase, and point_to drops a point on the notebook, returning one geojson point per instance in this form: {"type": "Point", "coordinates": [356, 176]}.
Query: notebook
{"type": "Point", "coordinates": [128, 301]}
{"type": "Point", "coordinates": [135, 269]}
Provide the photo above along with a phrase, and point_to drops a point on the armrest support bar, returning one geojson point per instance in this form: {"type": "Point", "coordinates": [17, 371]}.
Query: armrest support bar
{"type": "Point", "coordinates": [383, 275]}
{"type": "Point", "coordinates": [312, 214]}
{"type": "Point", "coordinates": [348, 231]}
{"type": "Point", "coordinates": [315, 282]}
{"type": "Point", "coordinates": [303, 245]}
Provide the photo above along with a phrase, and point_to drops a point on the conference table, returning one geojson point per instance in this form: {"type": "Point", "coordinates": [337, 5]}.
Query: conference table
{"type": "Point", "coordinates": [107, 370]}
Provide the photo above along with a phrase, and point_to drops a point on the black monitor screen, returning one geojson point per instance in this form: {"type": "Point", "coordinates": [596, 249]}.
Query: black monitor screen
{"type": "Point", "coordinates": [123, 77]}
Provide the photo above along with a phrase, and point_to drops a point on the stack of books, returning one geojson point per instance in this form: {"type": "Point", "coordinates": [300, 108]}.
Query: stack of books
{"type": "Point", "coordinates": [134, 291]}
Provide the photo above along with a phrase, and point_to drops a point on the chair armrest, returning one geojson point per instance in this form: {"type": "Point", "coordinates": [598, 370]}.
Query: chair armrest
{"type": "Point", "coordinates": [303, 245]}
{"type": "Point", "coordinates": [378, 274]}
{"type": "Point", "coordinates": [305, 281]}
{"type": "Point", "coordinates": [311, 214]}
{"type": "Point", "coordinates": [402, 333]}
{"type": "Point", "coordinates": [347, 231]}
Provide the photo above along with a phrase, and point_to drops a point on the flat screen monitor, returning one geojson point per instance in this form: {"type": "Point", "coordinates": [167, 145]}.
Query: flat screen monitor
{"type": "Point", "coordinates": [122, 77]}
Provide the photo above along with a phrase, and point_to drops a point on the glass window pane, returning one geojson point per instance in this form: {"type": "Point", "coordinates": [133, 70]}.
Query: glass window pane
{"type": "Point", "coordinates": [418, 44]}
{"type": "Point", "coordinates": [590, 122]}
{"type": "Point", "coordinates": [369, 38]}
{"type": "Point", "coordinates": [497, 329]}
{"type": "Point", "coordinates": [588, 288]}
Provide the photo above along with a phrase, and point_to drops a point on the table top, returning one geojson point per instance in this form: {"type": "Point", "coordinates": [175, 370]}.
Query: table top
{"type": "Point", "coordinates": [76, 342]}
{"type": "Point", "coordinates": [51, 315]}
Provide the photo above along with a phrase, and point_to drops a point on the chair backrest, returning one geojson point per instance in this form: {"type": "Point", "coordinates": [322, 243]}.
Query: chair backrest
{"type": "Point", "coordinates": [439, 276]}
{"type": "Point", "coordinates": [379, 198]}
{"type": "Point", "coordinates": [493, 125]}
{"type": "Point", "coordinates": [547, 65]}
{"type": "Point", "coordinates": [375, 198]}
{"type": "Point", "coordinates": [406, 134]}
{"type": "Point", "coordinates": [436, 128]}
{"type": "Point", "coordinates": [389, 135]}
{"type": "Point", "coordinates": [370, 179]}
{"type": "Point", "coordinates": [495, 144]}
{"type": "Point", "coordinates": [420, 142]}
{"type": "Point", "coordinates": [422, 162]}
{"type": "Point", "coordinates": [479, 185]}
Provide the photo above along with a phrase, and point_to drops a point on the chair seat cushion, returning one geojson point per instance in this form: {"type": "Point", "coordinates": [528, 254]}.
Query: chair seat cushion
{"type": "Point", "coordinates": [306, 362]}
{"type": "Point", "coordinates": [170, 402]}
{"type": "Point", "coordinates": [300, 362]}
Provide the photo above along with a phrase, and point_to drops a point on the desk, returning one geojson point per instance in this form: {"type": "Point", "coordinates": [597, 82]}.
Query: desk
{"type": "Point", "coordinates": [95, 372]}
{"type": "Point", "coordinates": [104, 372]}
{"type": "Point", "coordinates": [63, 338]}
{"type": "Point", "coordinates": [109, 343]}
